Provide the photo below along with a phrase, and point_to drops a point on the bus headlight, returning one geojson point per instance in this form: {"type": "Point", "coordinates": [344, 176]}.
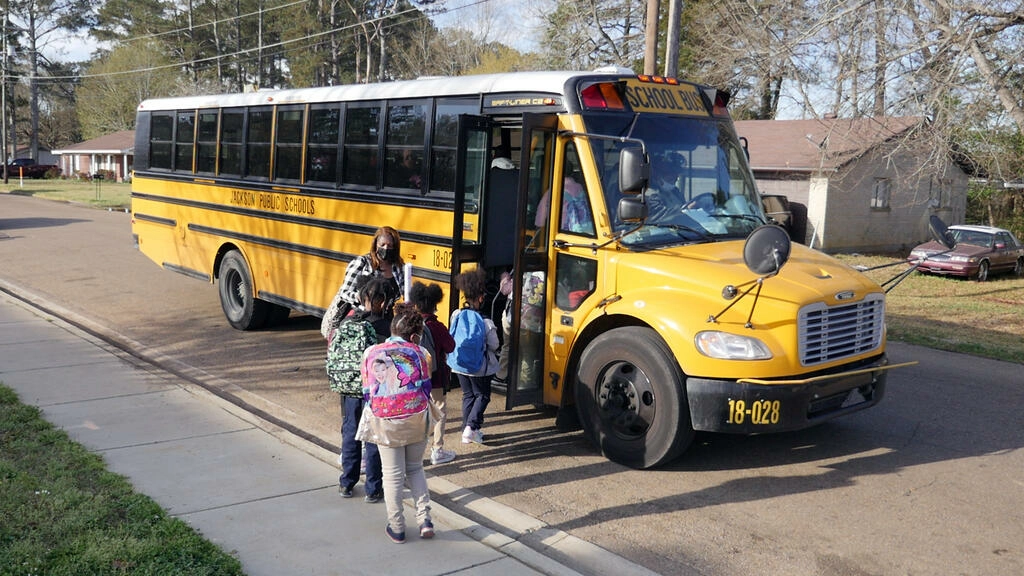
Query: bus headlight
{"type": "Point", "coordinates": [727, 346]}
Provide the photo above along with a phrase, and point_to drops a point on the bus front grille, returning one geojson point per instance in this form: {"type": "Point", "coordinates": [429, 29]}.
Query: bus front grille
{"type": "Point", "coordinates": [837, 332]}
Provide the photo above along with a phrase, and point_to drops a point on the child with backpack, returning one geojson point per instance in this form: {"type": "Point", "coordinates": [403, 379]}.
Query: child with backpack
{"type": "Point", "coordinates": [396, 384]}
{"type": "Point", "coordinates": [354, 335]}
{"type": "Point", "coordinates": [440, 344]}
{"type": "Point", "coordinates": [474, 360]}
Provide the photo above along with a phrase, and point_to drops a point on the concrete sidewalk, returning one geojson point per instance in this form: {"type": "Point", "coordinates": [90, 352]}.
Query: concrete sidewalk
{"type": "Point", "coordinates": [270, 500]}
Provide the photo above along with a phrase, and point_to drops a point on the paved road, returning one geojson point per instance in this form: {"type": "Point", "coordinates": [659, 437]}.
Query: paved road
{"type": "Point", "coordinates": [928, 482]}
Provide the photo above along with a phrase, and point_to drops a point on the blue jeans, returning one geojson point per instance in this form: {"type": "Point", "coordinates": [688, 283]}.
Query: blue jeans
{"type": "Point", "coordinates": [476, 395]}
{"type": "Point", "coordinates": [351, 449]}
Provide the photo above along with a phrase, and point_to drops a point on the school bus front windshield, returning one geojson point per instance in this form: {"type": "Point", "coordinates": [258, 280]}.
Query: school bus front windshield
{"type": "Point", "coordinates": [700, 187]}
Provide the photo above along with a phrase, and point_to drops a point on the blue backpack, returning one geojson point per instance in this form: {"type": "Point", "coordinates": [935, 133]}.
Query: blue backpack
{"type": "Point", "coordinates": [470, 333]}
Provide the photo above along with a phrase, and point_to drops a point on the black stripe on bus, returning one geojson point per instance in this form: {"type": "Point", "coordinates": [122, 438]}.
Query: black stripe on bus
{"type": "Point", "coordinates": [156, 219]}
{"type": "Point", "coordinates": [293, 304]}
{"type": "Point", "coordinates": [187, 271]}
{"type": "Point", "coordinates": [430, 239]}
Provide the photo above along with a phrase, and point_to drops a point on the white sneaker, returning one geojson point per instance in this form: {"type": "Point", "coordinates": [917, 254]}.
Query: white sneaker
{"type": "Point", "coordinates": [440, 455]}
{"type": "Point", "coordinates": [469, 435]}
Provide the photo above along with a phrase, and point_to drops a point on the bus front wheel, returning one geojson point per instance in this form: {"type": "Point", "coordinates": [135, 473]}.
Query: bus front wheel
{"type": "Point", "coordinates": [242, 309]}
{"type": "Point", "coordinates": [630, 398]}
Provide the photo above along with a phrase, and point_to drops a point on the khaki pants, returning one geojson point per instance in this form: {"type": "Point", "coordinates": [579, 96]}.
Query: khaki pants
{"type": "Point", "coordinates": [437, 397]}
{"type": "Point", "coordinates": [401, 465]}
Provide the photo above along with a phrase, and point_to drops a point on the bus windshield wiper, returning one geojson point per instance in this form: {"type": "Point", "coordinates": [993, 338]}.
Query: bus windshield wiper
{"type": "Point", "coordinates": [749, 217]}
{"type": "Point", "coordinates": [678, 228]}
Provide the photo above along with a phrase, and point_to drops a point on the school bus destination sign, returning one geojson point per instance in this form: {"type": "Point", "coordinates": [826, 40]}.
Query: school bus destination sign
{"type": "Point", "coordinates": [665, 99]}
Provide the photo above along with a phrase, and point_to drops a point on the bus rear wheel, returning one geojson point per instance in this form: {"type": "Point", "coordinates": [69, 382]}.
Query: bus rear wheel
{"type": "Point", "coordinates": [243, 310]}
{"type": "Point", "coordinates": [631, 400]}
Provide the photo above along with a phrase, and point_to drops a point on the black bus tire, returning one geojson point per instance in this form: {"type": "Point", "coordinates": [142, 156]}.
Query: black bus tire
{"type": "Point", "coordinates": [631, 400]}
{"type": "Point", "coordinates": [243, 310]}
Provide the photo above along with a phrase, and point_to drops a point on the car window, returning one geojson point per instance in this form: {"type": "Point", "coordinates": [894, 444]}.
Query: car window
{"type": "Point", "coordinates": [973, 238]}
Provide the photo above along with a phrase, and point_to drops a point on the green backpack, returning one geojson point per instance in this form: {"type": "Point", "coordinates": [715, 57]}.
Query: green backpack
{"type": "Point", "coordinates": [345, 353]}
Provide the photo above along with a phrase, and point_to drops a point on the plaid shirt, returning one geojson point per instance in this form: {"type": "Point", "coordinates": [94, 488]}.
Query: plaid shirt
{"type": "Point", "coordinates": [361, 266]}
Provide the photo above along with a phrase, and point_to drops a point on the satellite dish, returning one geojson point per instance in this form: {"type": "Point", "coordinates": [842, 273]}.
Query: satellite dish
{"type": "Point", "coordinates": [766, 250]}
{"type": "Point", "coordinates": [940, 232]}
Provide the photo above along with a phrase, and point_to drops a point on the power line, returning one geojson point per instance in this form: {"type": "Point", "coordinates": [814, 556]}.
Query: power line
{"type": "Point", "coordinates": [247, 51]}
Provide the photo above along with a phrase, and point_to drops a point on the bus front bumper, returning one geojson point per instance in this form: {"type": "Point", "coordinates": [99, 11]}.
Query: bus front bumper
{"type": "Point", "coordinates": [752, 406]}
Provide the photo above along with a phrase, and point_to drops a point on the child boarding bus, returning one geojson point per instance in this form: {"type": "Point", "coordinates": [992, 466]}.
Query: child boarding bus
{"type": "Point", "coordinates": [649, 285]}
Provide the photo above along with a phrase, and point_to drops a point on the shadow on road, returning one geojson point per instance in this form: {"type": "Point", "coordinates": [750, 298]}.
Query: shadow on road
{"type": "Point", "coordinates": [960, 419]}
{"type": "Point", "coordinates": [36, 222]}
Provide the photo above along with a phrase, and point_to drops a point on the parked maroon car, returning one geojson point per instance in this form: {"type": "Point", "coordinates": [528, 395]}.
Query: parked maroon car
{"type": "Point", "coordinates": [978, 252]}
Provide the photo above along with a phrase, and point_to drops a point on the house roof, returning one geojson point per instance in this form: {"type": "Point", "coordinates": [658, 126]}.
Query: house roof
{"type": "Point", "coordinates": [816, 145]}
{"type": "Point", "coordinates": [122, 142]}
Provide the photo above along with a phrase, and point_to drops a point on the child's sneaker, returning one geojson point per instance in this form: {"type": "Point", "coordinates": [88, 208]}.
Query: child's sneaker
{"type": "Point", "coordinates": [427, 529]}
{"type": "Point", "coordinates": [440, 455]}
{"type": "Point", "coordinates": [396, 537]}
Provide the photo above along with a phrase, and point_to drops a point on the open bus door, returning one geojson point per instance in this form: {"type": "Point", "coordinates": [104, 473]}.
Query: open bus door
{"type": "Point", "coordinates": [485, 235]}
{"type": "Point", "coordinates": [472, 158]}
{"type": "Point", "coordinates": [526, 365]}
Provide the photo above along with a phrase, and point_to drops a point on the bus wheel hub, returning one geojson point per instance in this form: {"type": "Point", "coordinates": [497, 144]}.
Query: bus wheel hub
{"type": "Point", "coordinates": [621, 403]}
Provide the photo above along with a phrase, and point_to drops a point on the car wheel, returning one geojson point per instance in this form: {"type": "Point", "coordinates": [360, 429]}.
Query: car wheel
{"type": "Point", "coordinates": [982, 271]}
{"type": "Point", "coordinates": [1018, 268]}
{"type": "Point", "coordinates": [631, 398]}
{"type": "Point", "coordinates": [242, 309]}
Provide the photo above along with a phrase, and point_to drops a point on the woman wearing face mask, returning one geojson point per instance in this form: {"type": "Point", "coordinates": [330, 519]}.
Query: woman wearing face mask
{"type": "Point", "coordinates": [384, 261]}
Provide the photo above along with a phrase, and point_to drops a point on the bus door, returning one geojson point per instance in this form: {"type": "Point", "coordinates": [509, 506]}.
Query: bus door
{"type": "Point", "coordinates": [472, 158]}
{"type": "Point", "coordinates": [526, 366]}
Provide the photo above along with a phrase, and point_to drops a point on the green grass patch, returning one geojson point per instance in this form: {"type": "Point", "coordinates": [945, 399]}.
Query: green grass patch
{"type": "Point", "coordinates": [98, 193]}
{"type": "Point", "coordinates": [65, 514]}
{"type": "Point", "coordinates": [948, 313]}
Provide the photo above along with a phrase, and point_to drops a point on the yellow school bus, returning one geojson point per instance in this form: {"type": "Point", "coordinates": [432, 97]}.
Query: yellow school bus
{"type": "Point", "coordinates": [652, 296]}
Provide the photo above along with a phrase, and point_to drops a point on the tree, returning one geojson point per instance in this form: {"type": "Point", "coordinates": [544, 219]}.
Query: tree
{"type": "Point", "coordinates": [37, 22]}
{"type": "Point", "coordinates": [584, 35]}
{"type": "Point", "coordinates": [113, 87]}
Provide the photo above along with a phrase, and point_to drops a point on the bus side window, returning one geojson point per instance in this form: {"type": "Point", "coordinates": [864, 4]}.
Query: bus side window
{"type": "Point", "coordinates": [539, 180]}
{"type": "Point", "coordinates": [232, 122]}
{"type": "Point", "coordinates": [403, 147]}
{"type": "Point", "coordinates": [360, 163]}
{"type": "Point", "coordinates": [161, 140]}
{"type": "Point", "coordinates": [322, 155]}
{"type": "Point", "coordinates": [184, 134]}
{"type": "Point", "coordinates": [575, 280]}
{"type": "Point", "coordinates": [257, 149]}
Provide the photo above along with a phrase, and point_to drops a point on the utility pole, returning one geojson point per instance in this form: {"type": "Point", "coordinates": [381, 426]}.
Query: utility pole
{"type": "Point", "coordinates": [651, 44]}
{"type": "Point", "coordinates": [675, 9]}
{"type": "Point", "coordinates": [3, 92]}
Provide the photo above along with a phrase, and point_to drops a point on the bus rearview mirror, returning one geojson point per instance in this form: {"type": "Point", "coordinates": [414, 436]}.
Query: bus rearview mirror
{"type": "Point", "coordinates": [631, 210]}
{"type": "Point", "coordinates": [634, 170]}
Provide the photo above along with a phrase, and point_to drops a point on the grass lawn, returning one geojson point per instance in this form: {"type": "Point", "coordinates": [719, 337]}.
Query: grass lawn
{"type": "Point", "coordinates": [100, 193]}
{"type": "Point", "coordinates": [954, 314]}
{"type": "Point", "coordinates": [65, 514]}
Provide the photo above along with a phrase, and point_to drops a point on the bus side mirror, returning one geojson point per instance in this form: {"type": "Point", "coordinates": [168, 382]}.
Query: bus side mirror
{"type": "Point", "coordinates": [634, 170]}
{"type": "Point", "coordinates": [631, 210]}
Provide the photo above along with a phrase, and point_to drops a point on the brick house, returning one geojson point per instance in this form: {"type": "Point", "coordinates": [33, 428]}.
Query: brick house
{"type": "Point", "coordinates": [861, 180]}
{"type": "Point", "coordinates": [114, 152]}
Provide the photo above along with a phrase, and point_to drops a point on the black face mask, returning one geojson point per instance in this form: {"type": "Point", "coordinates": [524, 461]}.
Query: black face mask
{"type": "Point", "coordinates": [386, 254]}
